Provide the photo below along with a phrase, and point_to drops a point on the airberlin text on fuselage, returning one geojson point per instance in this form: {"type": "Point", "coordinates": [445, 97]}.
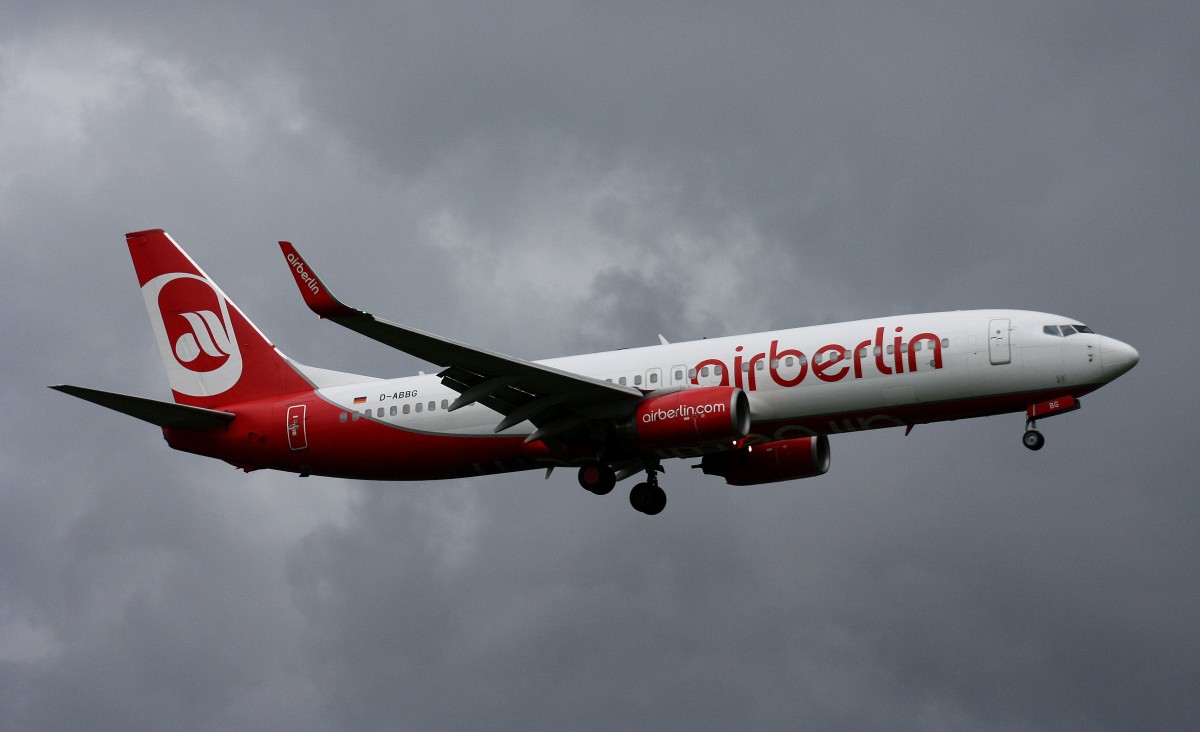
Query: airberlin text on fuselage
{"type": "Point", "coordinates": [832, 362]}
{"type": "Point", "coordinates": [684, 411]}
{"type": "Point", "coordinates": [309, 281]}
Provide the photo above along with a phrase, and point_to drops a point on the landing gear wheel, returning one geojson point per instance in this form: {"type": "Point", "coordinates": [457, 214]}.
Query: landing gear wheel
{"type": "Point", "coordinates": [1033, 440]}
{"type": "Point", "coordinates": [648, 498]}
{"type": "Point", "coordinates": [597, 478]}
{"type": "Point", "coordinates": [658, 501]}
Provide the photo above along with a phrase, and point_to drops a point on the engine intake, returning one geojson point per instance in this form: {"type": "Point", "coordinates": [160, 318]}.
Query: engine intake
{"type": "Point", "coordinates": [690, 417]}
{"type": "Point", "coordinates": [802, 457]}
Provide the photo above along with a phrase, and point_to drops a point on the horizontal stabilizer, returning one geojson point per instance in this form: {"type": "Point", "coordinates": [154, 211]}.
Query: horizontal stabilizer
{"type": "Point", "coordinates": [163, 414]}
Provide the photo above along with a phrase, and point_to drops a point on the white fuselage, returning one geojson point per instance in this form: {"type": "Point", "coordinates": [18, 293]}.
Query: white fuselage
{"type": "Point", "coordinates": [793, 376]}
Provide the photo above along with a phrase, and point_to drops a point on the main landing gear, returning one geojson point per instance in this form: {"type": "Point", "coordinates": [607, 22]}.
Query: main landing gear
{"type": "Point", "coordinates": [647, 497]}
{"type": "Point", "coordinates": [598, 478]}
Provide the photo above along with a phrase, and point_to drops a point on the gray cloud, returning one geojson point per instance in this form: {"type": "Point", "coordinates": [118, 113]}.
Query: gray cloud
{"type": "Point", "coordinates": [547, 178]}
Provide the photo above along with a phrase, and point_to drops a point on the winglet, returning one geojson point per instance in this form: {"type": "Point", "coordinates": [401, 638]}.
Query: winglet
{"type": "Point", "coordinates": [316, 295]}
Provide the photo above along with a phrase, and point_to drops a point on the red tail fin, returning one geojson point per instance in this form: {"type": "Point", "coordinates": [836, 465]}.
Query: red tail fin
{"type": "Point", "coordinates": [213, 354]}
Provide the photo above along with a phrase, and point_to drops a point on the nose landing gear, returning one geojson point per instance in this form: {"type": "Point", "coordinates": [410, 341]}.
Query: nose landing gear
{"type": "Point", "coordinates": [1033, 439]}
{"type": "Point", "coordinates": [1061, 405]}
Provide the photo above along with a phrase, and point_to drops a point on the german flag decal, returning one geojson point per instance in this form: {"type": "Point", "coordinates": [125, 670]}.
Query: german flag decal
{"type": "Point", "coordinates": [360, 400]}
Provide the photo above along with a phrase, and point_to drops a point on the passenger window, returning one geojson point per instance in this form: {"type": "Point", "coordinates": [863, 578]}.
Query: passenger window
{"type": "Point", "coordinates": [691, 373]}
{"type": "Point", "coordinates": [787, 361]}
{"type": "Point", "coordinates": [621, 381]}
{"type": "Point", "coordinates": [407, 408]}
{"type": "Point", "coordinates": [679, 375]}
{"type": "Point", "coordinates": [718, 370]}
{"type": "Point", "coordinates": [637, 380]}
{"type": "Point", "coordinates": [418, 408]}
{"type": "Point", "coordinates": [704, 371]}
{"type": "Point", "coordinates": [357, 416]}
{"type": "Point", "coordinates": [432, 406]}
{"type": "Point", "coordinates": [654, 377]}
{"type": "Point", "coordinates": [745, 368]}
{"type": "Point", "coordinates": [379, 412]}
{"type": "Point", "coordinates": [917, 346]}
{"type": "Point", "coordinates": [445, 404]}
{"type": "Point", "coordinates": [891, 350]}
{"type": "Point", "coordinates": [759, 365]}
{"type": "Point", "coordinates": [876, 350]}
{"type": "Point", "coordinates": [342, 417]}
{"type": "Point", "coordinates": [945, 343]}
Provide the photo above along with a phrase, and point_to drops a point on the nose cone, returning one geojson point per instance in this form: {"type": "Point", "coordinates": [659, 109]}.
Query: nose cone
{"type": "Point", "coordinates": [1116, 357]}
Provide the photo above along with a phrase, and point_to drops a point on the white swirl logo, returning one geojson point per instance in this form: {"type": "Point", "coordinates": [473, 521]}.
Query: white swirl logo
{"type": "Point", "coordinates": [191, 323]}
{"type": "Point", "coordinates": [208, 335]}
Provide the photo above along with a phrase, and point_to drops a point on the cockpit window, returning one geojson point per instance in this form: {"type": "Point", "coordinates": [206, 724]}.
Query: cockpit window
{"type": "Point", "coordinates": [1065, 330]}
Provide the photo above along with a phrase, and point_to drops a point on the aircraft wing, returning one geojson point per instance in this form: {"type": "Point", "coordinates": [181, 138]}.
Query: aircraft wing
{"type": "Point", "coordinates": [555, 401]}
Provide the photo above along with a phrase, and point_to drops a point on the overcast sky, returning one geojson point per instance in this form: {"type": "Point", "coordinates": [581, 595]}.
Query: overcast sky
{"type": "Point", "coordinates": [548, 178]}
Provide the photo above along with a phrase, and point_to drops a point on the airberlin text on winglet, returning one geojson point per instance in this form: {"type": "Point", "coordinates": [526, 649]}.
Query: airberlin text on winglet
{"type": "Point", "coordinates": [832, 362]}
{"type": "Point", "coordinates": [308, 280]}
{"type": "Point", "coordinates": [312, 289]}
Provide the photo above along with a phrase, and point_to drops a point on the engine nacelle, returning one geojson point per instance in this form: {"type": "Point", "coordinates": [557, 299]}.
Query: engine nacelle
{"type": "Point", "coordinates": [802, 457]}
{"type": "Point", "coordinates": [691, 417]}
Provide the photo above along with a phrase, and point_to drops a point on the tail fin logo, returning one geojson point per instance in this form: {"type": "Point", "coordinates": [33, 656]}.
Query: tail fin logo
{"type": "Point", "coordinates": [192, 325]}
{"type": "Point", "coordinates": [207, 336]}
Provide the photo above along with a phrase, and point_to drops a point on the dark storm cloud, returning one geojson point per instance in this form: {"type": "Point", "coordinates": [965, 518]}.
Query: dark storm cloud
{"type": "Point", "coordinates": [544, 178]}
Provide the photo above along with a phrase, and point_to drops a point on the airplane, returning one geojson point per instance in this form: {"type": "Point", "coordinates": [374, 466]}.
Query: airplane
{"type": "Point", "coordinates": [752, 409]}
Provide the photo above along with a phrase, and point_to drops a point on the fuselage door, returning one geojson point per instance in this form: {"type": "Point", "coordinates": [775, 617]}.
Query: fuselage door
{"type": "Point", "coordinates": [999, 350]}
{"type": "Point", "coordinates": [297, 437]}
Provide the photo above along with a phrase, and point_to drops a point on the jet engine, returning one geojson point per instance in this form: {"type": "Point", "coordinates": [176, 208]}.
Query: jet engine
{"type": "Point", "coordinates": [802, 457]}
{"type": "Point", "coordinates": [690, 417]}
